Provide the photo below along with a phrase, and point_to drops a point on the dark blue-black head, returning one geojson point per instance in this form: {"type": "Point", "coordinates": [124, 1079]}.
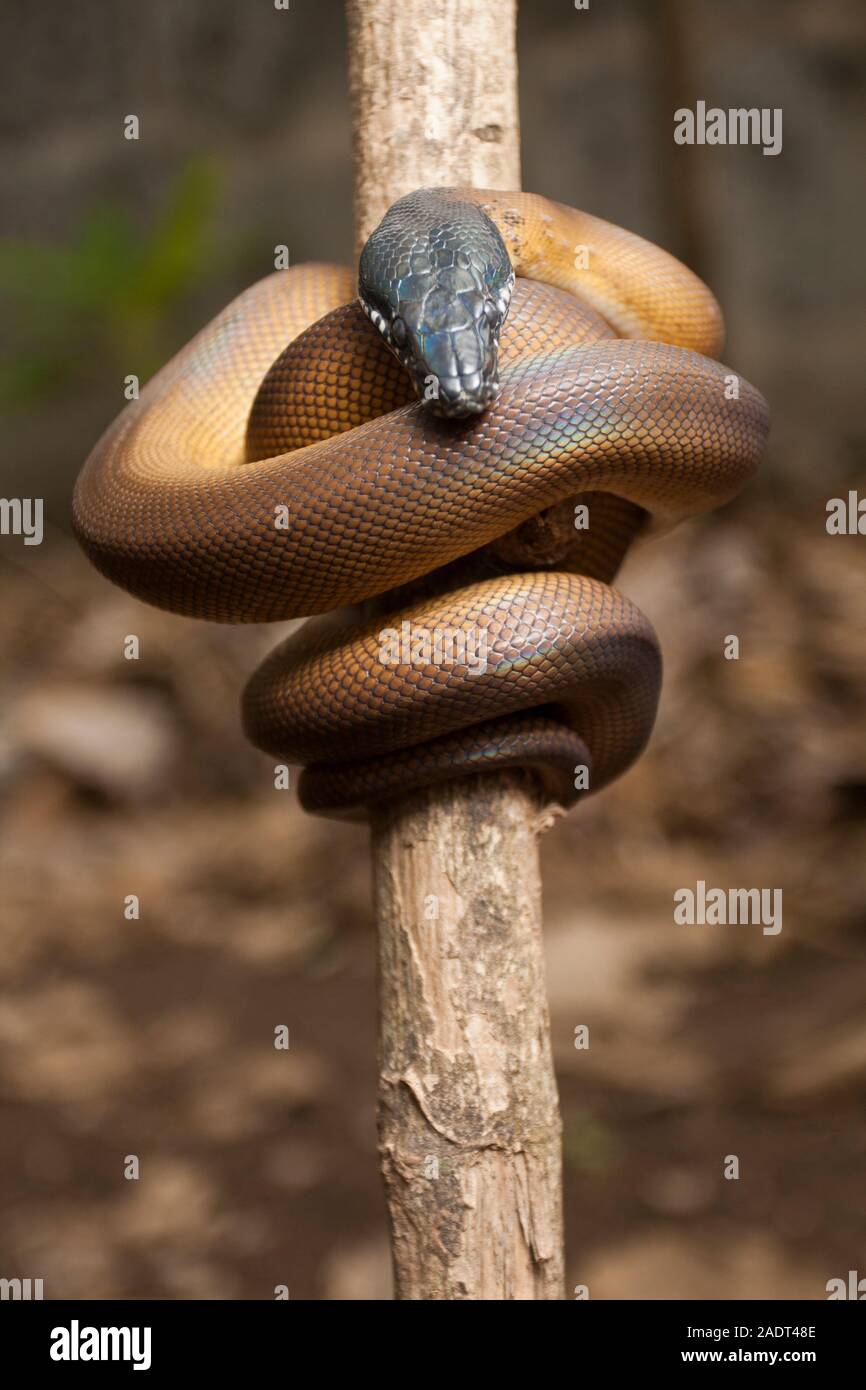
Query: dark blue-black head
{"type": "Point", "coordinates": [436, 280]}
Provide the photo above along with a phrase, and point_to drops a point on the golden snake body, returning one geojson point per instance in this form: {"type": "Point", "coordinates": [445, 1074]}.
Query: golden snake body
{"type": "Point", "coordinates": [280, 466]}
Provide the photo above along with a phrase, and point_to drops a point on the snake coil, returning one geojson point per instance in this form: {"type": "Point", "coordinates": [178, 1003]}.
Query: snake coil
{"type": "Point", "coordinates": [280, 465]}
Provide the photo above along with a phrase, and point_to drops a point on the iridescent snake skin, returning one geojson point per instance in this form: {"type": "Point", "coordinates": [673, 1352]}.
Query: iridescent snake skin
{"type": "Point", "coordinates": [280, 465]}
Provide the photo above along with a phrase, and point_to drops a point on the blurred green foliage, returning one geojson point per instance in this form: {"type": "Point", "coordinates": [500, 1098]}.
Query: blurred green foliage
{"type": "Point", "coordinates": [589, 1145]}
{"type": "Point", "coordinates": [105, 294]}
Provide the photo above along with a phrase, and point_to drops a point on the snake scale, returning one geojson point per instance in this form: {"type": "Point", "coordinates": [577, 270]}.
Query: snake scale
{"type": "Point", "coordinates": [283, 465]}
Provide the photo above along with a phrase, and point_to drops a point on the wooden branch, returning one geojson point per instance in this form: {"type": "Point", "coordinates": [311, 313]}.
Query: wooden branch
{"type": "Point", "coordinates": [434, 99]}
{"type": "Point", "coordinates": [469, 1125]}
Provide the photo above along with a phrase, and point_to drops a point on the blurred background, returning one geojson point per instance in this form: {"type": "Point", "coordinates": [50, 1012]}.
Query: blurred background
{"type": "Point", "coordinates": [155, 1037]}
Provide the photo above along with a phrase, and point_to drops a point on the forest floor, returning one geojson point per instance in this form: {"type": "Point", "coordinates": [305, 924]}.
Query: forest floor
{"type": "Point", "coordinates": [153, 1036]}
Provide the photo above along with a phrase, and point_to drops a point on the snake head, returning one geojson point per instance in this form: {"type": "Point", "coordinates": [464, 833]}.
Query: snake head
{"type": "Point", "coordinates": [435, 279]}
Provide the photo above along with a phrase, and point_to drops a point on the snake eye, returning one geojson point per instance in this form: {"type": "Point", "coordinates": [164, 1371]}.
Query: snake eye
{"type": "Point", "coordinates": [398, 333]}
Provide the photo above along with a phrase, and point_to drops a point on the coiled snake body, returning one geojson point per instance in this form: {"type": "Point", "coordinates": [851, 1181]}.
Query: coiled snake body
{"type": "Point", "coordinates": [280, 466]}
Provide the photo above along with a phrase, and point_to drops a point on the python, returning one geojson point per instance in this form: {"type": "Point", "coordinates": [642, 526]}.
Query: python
{"type": "Point", "coordinates": [556, 385]}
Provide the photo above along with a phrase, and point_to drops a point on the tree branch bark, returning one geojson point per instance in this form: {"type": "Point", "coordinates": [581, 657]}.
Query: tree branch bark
{"type": "Point", "coordinates": [433, 85]}
{"type": "Point", "coordinates": [470, 1134]}
{"type": "Point", "coordinates": [469, 1120]}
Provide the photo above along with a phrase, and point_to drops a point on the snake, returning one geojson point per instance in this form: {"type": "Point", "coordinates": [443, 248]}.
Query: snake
{"type": "Point", "coordinates": [440, 461]}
